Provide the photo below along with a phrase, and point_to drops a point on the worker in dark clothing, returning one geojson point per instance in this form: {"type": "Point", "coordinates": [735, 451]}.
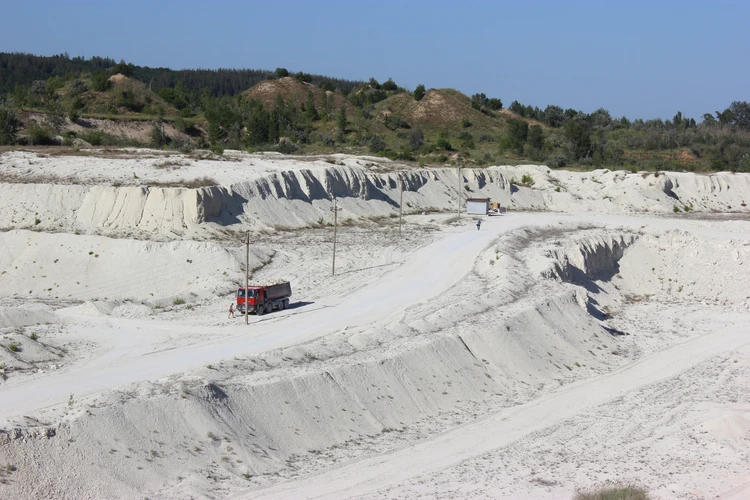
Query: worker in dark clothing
{"type": "Point", "coordinates": [479, 224]}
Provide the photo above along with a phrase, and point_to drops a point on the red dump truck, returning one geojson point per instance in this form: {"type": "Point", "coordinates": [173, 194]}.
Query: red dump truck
{"type": "Point", "coordinates": [264, 298]}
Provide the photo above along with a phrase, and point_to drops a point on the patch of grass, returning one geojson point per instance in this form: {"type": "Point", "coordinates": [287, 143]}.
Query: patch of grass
{"type": "Point", "coordinates": [178, 301]}
{"type": "Point", "coordinates": [33, 336]}
{"type": "Point", "coordinates": [527, 180]}
{"type": "Point", "coordinates": [13, 347]}
{"type": "Point", "coordinates": [627, 492]}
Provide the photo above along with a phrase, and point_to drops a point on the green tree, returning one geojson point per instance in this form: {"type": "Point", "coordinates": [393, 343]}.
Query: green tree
{"type": "Point", "coordinates": [157, 135]}
{"type": "Point", "coordinates": [740, 114]}
{"type": "Point", "coordinates": [494, 103]}
{"type": "Point", "coordinates": [443, 142]}
{"type": "Point", "coordinates": [303, 77]}
{"type": "Point", "coordinates": [419, 92]}
{"type": "Point", "coordinates": [123, 69]}
{"type": "Point", "coordinates": [55, 115]}
{"type": "Point", "coordinates": [390, 85]}
{"type": "Point", "coordinates": [281, 72]}
{"type": "Point", "coordinates": [9, 125]}
{"type": "Point", "coordinates": [376, 144]}
{"type": "Point", "coordinates": [579, 136]}
{"type": "Point", "coordinates": [311, 112]}
{"type": "Point", "coordinates": [554, 116]}
{"type": "Point", "coordinates": [343, 123]}
{"type": "Point", "coordinates": [518, 131]}
{"type": "Point", "coordinates": [100, 81]}
{"type": "Point", "coordinates": [536, 137]}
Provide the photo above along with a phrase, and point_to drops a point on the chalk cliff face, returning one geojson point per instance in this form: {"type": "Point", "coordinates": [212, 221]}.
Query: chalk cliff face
{"type": "Point", "coordinates": [299, 194]}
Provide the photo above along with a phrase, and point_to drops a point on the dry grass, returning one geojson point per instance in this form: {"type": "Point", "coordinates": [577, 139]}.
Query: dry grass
{"type": "Point", "coordinates": [620, 492]}
{"type": "Point", "coordinates": [191, 184]}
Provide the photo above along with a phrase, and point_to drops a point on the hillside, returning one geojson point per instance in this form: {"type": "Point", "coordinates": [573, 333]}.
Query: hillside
{"type": "Point", "coordinates": [307, 114]}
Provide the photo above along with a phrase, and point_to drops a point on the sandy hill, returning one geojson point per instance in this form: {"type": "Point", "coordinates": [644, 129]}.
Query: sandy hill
{"type": "Point", "coordinates": [126, 96]}
{"type": "Point", "coordinates": [294, 91]}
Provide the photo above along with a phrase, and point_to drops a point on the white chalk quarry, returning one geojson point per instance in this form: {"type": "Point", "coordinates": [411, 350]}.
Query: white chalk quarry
{"type": "Point", "coordinates": [589, 324]}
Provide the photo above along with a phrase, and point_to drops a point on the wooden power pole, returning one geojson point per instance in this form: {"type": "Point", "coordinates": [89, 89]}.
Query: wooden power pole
{"type": "Point", "coordinates": [458, 193]}
{"type": "Point", "coordinates": [247, 273]}
{"type": "Point", "coordinates": [400, 205]}
{"type": "Point", "coordinates": [335, 224]}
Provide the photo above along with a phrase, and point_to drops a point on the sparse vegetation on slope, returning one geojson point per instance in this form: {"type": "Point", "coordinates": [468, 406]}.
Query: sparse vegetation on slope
{"type": "Point", "coordinates": [304, 113]}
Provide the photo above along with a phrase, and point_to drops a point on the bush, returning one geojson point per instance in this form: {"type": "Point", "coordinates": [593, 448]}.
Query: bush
{"type": "Point", "coordinates": [466, 123]}
{"type": "Point", "coordinates": [217, 149]}
{"type": "Point", "coordinates": [157, 135]}
{"type": "Point", "coordinates": [376, 144]}
{"type": "Point", "coordinates": [178, 301]}
{"type": "Point", "coordinates": [527, 180]}
{"type": "Point", "coordinates": [558, 161]}
{"type": "Point", "coordinates": [390, 85]}
{"type": "Point", "coordinates": [39, 136]}
{"type": "Point", "coordinates": [287, 147]}
{"type": "Point", "coordinates": [13, 347]}
{"type": "Point", "coordinates": [8, 126]}
{"type": "Point", "coordinates": [100, 81]}
{"type": "Point", "coordinates": [95, 137]}
{"type": "Point", "coordinates": [613, 493]}
{"type": "Point", "coordinates": [467, 141]}
{"type": "Point", "coordinates": [419, 92]}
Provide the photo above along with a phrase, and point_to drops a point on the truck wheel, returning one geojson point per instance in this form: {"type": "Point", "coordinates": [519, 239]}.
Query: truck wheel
{"type": "Point", "coordinates": [259, 311]}
{"type": "Point", "coordinates": [269, 307]}
{"type": "Point", "coordinates": [282, 306]}
{"type": "Point", "coordinates": [286, 303]}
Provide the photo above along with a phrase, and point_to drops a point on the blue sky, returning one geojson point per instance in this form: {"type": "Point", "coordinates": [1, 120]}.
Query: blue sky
{"type": "Point", "coordinates": [637, 58]}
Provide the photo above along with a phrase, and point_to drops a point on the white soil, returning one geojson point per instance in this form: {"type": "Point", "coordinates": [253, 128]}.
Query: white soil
{"type": "Point", "coordinates": [549, 351]}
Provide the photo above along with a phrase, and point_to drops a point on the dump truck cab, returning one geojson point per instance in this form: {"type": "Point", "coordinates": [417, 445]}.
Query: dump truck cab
{"type": "Point", "coordinates": [264, 299]}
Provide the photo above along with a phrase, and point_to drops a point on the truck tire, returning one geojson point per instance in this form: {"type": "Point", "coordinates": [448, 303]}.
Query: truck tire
{"type": "Point", "coordinates": [282, 306]}
{"type": "Point", "coordinates": [260, 311]}
{"type": "Point", "coordinates": [269, 307]}
{"type": "Point", "coordinates": [286, 303]}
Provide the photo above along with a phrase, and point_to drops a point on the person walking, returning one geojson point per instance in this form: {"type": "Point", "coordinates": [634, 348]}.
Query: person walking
{"type": "Point", "coordinates": [479, 224]}
{"type": "Point", "coordinates": [231, 311]}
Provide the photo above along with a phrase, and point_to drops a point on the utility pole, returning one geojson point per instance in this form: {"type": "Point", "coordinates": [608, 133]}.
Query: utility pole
{"type": "Point", "coordinates": [335, 225]}
{"type": "Point", "coordinates": [458, 193]}
{"type": "Point", "coordinates": [247, 273]}
{"type": "Point", "coordinates": [400, 205]}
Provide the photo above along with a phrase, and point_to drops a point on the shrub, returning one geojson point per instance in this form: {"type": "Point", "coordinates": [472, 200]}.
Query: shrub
{"type": "Point", "coordinates": [13, 347]}
{"type": "Point", "coordinates": [287, 147]}
{"type": "Point", "coordinates": [419, 92]}
{"type": "Point", "coordinates": [527, 180]}
{"type": "Point", "coordinates": [157, 135]}
{"type": "Point", "coordinates": [39, 136]}
{"type": "Point", "coordinates": [178, 301]}
{"type": "Point", "coordinates": [613, 493]}
{"type": "Point", "coordinates": [390, 85]}
{"type": "Point", "coordinates": [376, 144]}
{"type": "Point", "coordinates": [466, 123]}
{"type": "Point", "coordinates": [8, 126]}
{"type": "Point", "coordinates": [467, 141]}
{"type": "Point", "coordinates": [557, 161]}
{"type": "Point", "coordinates": [217, 149]}
{"type": "Point", "coordinates": [100, 81]}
